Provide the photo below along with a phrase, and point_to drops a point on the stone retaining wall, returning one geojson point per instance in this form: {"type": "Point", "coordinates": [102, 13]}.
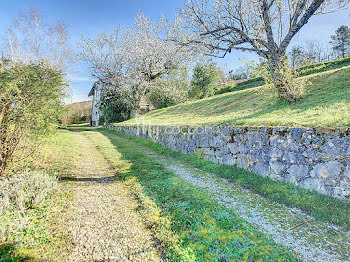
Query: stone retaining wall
{"type": "Point", "coordinates": [312, 158]}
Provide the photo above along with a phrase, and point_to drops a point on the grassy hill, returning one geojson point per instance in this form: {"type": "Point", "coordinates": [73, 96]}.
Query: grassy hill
{"type": "Point", "coordinates": [326, 104]}
{"type": "Point", "coordinates": [302, 71]}
{"type": "Point", "coordinates": [77, 113]}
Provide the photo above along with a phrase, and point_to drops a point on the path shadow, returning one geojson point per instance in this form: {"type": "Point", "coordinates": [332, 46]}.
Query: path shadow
{"type": "Point", "coordinates": [107, 179]}
{"type": "Point", "coordinates": [73, 178]}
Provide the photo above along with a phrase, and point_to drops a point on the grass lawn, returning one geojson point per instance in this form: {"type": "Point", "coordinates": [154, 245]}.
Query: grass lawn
{"type": "Point", "coordinates": [191, 225]}
{"type": "Point", "coordinates": [326, 104]}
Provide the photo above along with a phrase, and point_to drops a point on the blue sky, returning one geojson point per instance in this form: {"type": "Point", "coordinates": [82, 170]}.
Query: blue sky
{"type": "Point", "coordinates": [89, 17]}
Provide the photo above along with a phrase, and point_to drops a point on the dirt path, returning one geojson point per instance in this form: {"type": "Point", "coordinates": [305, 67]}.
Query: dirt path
{"type": "Point", "coordinates": [104, 224]}
{"type": "Point", "coordinates": [313, 241]}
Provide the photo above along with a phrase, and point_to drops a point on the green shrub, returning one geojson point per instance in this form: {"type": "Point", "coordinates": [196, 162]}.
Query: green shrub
{"type": "Point", "coordinates": [30, 106]}
{"type": "Point", "coordinates": [77, 113]}
{"type": "Point", "coordinates": [204, 80]}
{"type": "Point", "coordinates": [116, 104]}
{"type": "Point", "coordinates": [160, 98]}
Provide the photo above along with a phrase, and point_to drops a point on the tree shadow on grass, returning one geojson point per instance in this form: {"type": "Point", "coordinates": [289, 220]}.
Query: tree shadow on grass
{"type": "Point", "coordinates": [8, 254]}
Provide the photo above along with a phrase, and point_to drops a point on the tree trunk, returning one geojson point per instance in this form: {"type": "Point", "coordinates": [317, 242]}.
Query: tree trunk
{"type": "Point", "coordinates": [277, 69]}
{"type": "Point", "coordinates": [275, 64]}
{"type": "Point", "coordinates": [3, 169]}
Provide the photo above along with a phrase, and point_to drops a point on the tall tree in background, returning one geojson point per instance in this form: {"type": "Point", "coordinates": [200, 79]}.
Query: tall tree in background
{"type": "Point", "coordinates": [341, 41]}
{"type": "Point", "coordinates": [205, 80]}
{"type": "Point", "coordinates": [295, 56]}
{"type": "Point", "coordinates": [30, 39]}
{"type": "Point", "coordinates": [265, 27]}
{"type": "Point", "coordinates": [151, 54]}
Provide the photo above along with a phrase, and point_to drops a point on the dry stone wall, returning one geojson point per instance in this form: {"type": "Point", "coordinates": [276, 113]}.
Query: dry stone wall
{"type": "Point", "coordinates": [312, 158]}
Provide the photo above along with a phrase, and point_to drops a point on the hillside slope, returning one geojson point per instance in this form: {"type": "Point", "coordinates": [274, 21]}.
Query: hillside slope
{"type": "Point", "coordinates": [326, 104]}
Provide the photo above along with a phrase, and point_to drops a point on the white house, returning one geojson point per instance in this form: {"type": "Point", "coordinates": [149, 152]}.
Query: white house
{"type": "Point", "coordinates": [95, 92]}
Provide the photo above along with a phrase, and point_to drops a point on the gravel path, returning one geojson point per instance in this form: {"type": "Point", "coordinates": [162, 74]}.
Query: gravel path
{"type": "Point", "coordinates": [104, 224]}
{"type": "Point", "coordinates": [313, 241]}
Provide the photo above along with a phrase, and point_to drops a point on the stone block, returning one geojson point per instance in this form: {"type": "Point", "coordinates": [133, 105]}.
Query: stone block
{"type": "Point", "coordinates": [229, 160]}
{"type": "Point", "coordinates": [277, 167]}
{"type": "Point", "coordinates": [297, 173]}
{"type": "Point", "coordinates": [275, 153]}
{"type": "Point", "coordinates": [227, 131]}
{"type": "Point", "coordinates": [347, 172]}
{"type": "Point", "coordinates": [294, 158]}
{"type": "Point", "coordinates": [295, 133]}
{"type": "Point", "coordinates": [241, 161]}
{"type": "Point", "coordinates": [261, 168]}
{"type": "Point", "coordinates": [233, 147]}
{"type": "Point", "coordinates": [343, 190]}
{"type": "Point", "coordinates": [314, 184]}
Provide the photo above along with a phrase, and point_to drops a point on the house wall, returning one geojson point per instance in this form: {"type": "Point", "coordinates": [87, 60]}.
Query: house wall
{"type": "Point", "coordinates": [312, 158]}
{"type": "Point", "coordinates": [96, 113]}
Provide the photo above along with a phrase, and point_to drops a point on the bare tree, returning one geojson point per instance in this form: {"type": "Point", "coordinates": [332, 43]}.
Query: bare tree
{"type": "Point", "coordinates": [313, 52]}
{"type": "Point", "coordinates": [295, 56]}
{"type": "Point", "coordinates": [151, 54]}
{"type": "Point", "coordinates": [265, 27]}
{"type": "Point", "coordinates": [29, 40]}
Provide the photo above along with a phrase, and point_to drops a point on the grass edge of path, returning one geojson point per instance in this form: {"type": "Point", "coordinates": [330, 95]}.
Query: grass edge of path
{"type": "Point", "coordinates": [321, 207]}
{"type": "Point", "coordinates": [203, 227]}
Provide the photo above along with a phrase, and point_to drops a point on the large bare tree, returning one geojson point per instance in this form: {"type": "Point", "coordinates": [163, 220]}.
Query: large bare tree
{"type": "Point", "coordinates": [151, 54]}
{"type": "Point", "coordinates": [104, 55]}
{"type": "Point", "coordinates": [265, 27]}
{"type": "Point", "coordinates": [30, 40]}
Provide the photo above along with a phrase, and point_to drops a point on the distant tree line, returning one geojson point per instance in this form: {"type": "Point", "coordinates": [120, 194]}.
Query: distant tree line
{"type": "Point", "coordinates": [316, 52]}
{"type": "Point", "coordinates": [76, 113]}
{"type": "Point", "coordinates": [303, 55]}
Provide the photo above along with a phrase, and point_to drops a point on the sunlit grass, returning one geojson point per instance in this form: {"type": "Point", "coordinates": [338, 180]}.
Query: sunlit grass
{"type": "Point", "coordinates": [326, 104]}
{"type": "Point", "coordinates": [38, 232]}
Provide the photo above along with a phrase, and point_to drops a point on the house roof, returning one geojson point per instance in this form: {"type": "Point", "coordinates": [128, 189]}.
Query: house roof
{"type": "Point", "coordinates": [92, 91]}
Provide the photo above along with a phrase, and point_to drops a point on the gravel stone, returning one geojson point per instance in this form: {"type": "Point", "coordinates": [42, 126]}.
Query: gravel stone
{"type": "Point", "coordinates": [104, 224]}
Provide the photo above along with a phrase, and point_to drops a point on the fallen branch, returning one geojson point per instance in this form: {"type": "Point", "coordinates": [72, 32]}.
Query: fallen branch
{"type": "Point", "coordinates": [306, 221]}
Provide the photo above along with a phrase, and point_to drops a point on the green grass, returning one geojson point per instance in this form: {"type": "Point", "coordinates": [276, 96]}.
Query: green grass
{"type": "Point", "coordinates": [254, 82]}
{"type": "Point", "coordinates": [302, 71]}
{"type": "Point", "coordinates": [204, 230]}
{"type": "Point", "coordinates": [39, 231]}
{"type": "Point", "coordinates": [326, 104]}
{"type": "Point", "coordinates": [321, 207]}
